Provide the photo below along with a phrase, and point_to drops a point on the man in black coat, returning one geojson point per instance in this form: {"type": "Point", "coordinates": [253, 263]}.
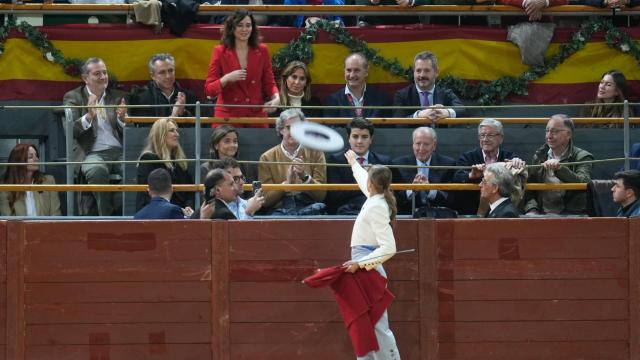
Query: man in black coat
{"type": "Point", "coordinates": [434, 100]}
{"type": "Point", "coordinates": [496, 188]}
{"type": "Point", "coordinates": [163, 89]}
{"type": "Point", "coordinates": [490, 136]}
{"type": "Point", "coordinates": [356, 92]}
{"type": "Point", "coordinates": [360, 133]}
{"type": "Point", "coordinates": [424, 145]}
{"type": "Point", "coordinates": [219, 189]}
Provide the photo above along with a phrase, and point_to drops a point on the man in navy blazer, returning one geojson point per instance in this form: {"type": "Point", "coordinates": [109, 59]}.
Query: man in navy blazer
{"type": "Point", "coordinates": [424, 145]}
{"type": "Point", "coordinates": [356, 92]}
{"type": "Point", "coordinates": [496, 188]}
{"type": "Point", "coordinates": [160, 190]}
{"type": "Point", "coordinates": [490, 136]}
{"type": "Point", "coordinates": [434, 100]}
{"type": "Point", "coordinates": [360, 133]}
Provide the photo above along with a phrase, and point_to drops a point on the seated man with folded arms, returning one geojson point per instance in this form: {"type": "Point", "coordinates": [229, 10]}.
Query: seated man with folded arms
{"type": "Point", "coordinates": [489, 151]}
{"type": "Point", "coordinates": [241, 208]}
{"type": "Point", "coordinates": [496, 189]}
{"type": "Point", "coordinates": [360, 133]}
{"type": "Point", "coordinates": [357, 93]}
{"type": "Point", "coordinates": [289, 151]}
{"type": "Point", "coordinates": [163, 89]}
{"type": "Point", "coordinates": [423, 92]}
{"type": "Point", "coordinates": [98, 131]}
{"type": "Point", "coordinates": [160, 190]}
{"type": "Point", "coordinates": [625, 192]}
{"type": "Point", "coordinates": [424, 145]}
{"type": "Point", "coordinates": [558, 149]}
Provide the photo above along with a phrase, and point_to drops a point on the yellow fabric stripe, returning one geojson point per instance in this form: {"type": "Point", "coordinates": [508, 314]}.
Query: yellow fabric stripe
{"type": "Point", "coordinates": [468, 59]}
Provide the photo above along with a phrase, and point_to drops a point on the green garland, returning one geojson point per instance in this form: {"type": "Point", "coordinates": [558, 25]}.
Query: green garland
{"type": "Point", "coordinates": [485, 93]}
{"type": "Point", "coordinates": [71, 66]}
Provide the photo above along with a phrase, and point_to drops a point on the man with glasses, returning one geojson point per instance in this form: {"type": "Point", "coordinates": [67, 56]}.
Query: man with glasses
{"type": "Point", "coordinates": [490, 138]}
{"type": "Point", "coordinates": [557, 150]}
{"type": "Point", "coordinates": [242, 209]}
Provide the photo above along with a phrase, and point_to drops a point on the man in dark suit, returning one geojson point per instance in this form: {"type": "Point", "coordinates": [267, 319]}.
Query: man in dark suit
{"type": "Point", "coordinates": [360, 133]}
{"type": "Point", "coordinates": [219, 190]}
{"type": "Point", "coordinates": [496, 188]}
{"type": "Point", "coordinates": [490, 136]}
{"type": "Point", "coordinates": [356, 92]}
{"type": "Point", "coordinates": [97, 131]}
{"type": "Point", "coordinates": [160, 206]}
{"type": "Point", "coordinates": [434, 100]}
{"type": "Point", "coordinates": [163, 89]}
{"type": "Point", "coordinates": [424, 145]}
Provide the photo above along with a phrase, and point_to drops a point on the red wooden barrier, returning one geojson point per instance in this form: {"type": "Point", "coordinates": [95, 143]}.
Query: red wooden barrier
{"type": "Point", "coordinates": [475, 289]}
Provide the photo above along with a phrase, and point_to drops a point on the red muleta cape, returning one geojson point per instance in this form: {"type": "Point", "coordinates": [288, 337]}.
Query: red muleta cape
{"type": "Point", "coordinates": [362, 297]}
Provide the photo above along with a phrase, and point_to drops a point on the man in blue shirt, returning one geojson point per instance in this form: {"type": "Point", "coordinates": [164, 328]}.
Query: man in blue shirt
{"type": "Point", "coordinates": [625, 192]}
{"type": "Point", "coordinates": [160, 190]}
{"type": "Point", "coordinates": [241, 208]}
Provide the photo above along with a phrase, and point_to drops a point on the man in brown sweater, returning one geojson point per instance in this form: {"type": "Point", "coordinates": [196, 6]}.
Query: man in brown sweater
{"type": "Point", "coordinates": [289, 150]}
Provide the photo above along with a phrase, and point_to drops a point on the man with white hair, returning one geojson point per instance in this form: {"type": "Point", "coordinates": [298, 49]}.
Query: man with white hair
{"type": "Point", "coordinates": [489, 151]}
{"type": "Point", "coordinates": [424, 143]}
{"type": "Point", "coordinates": [289, 150]}
{"type": "Point", "coordinates": [496, 188]}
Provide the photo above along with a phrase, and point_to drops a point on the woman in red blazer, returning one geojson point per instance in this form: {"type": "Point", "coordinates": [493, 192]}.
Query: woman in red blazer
{"type": "Point", "coordinates": [240, 70]}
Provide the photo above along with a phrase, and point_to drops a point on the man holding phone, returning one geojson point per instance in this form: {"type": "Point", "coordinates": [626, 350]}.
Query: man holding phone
{"type": "Point", "coordinates": [242, 209]}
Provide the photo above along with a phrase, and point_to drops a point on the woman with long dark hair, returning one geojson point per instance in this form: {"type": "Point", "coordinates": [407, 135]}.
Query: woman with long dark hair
{"type": "Point", "coordinates": [372, 241]}
{"type": "Point", "coordinates": [240, 71]}
{"type": "Point", "coordinates": [611, 89]}
{"type": "Point", "coordinates": [27, 203]}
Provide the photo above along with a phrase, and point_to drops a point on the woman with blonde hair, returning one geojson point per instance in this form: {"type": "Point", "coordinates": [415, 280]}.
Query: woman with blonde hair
{"type": "Point", "coordinates": [372, 241]}
{"type": "Point", "coordinates": [295, 89]}
{"type": "Point", "coordinates": [163, 143]}
{"type": "Point", "coordinates": [27, 203]}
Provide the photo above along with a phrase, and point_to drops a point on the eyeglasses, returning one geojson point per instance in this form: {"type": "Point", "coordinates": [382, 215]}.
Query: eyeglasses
{"type": "Point", "coordinates": [237, 179]}
{"type": "Point", "coordinates": [485, 182]}
{"type": "Point", "coordinates": [487, 136]}
{"type": "Point", "coordinates": [553, 131]}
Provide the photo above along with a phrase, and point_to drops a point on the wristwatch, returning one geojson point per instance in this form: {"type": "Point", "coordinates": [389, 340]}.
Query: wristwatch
{"type": "Point", "coordinates": [306, 178]}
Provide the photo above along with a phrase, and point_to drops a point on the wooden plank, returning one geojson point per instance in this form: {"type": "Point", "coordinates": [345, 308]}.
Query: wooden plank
{"type": "Point", "coordinates": [523, 331]}
{"type": "Point", "coordinates": [295, 291]}
{"type": "Point", "coordinates": [309, 311]}
{"type": "Point", "coordinates": [161, 271]}
{"type": "Point", "coordinates": [634, 288]}
{"type": "Point", "coordinates": [428, 252]}
{"type": "Point", "coordinates": [138, 333]}
{"type": "Point", "coordinates": [120, 352]}
{"type": "Point", "coordinates": [296, 270]}
{"type": "Point", "coordinates": [220, 313]}
{"type": "Point", "coordinates": [15, 291]}
{"type": "Point", "coordinates": [310, 333]}
{"type": "Point", "coordinates": [533, 247]}
{"type": "Point", "coordinates": [588, 350]}
{"type": "Point", "coordinates": [544, 238]}
{"type": "Point", "coordinates": [318, 351]}
{"type": "Point", "coordinates": [461, 290]}
{"type": "Point", "coordinates": [67, 293]}
{"type": "Point", "coordinates": [533, 269]}
{"type": "Point", "coordinates": [114, 313]}
{"type": "Point", "coordinates": [3, 289]}
{"type": "Point", "coordinates": [534, 310]}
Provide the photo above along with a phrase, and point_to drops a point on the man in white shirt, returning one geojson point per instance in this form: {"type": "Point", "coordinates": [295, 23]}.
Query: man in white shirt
{"type": "Point", "coordinates": [241, 208]}
{"type": "Point", "coordinates": [496, 188]}
{"type": "Point", "coordinates": [97, 130]}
